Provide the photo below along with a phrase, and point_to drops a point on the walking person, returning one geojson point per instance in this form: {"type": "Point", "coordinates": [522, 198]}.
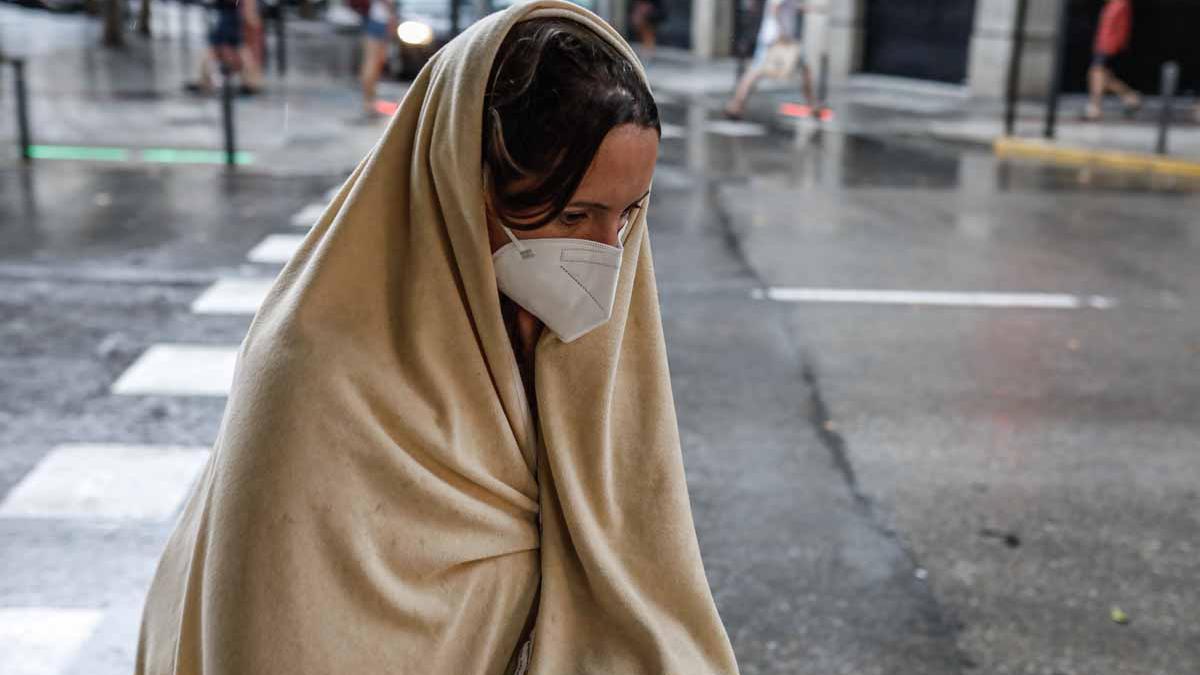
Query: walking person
{"type": "Point", "coordinates": [1112, 38]}
{"type": "Point", "coordinates": [378, 26]}
{"type": "Point", "coordinates": [777, 54]}
{"type": "Point", "coordinates": [451, 444]}
{"type": "Point", "coordinates": [646, 16]}
{"type": "Point", "coordinates": [228, 48]}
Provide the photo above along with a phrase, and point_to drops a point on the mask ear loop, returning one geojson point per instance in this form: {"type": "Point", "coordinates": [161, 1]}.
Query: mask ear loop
{"type": "Point", "coordinates": [524, 250]}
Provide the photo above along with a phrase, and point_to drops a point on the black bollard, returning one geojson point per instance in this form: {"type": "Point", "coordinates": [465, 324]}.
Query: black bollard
{"type": "Point", "coordinates": [22, 109]}
{"type": "Point", "coordinates": [1011, 93]}
{"type": "Point", "coordinates": [227, 114]}
{"type": "Point", "coordinates": [1060, 55]}
{"type": "Point", "coordinates": [280, 40]}
{"type": "Point", "coordinates": [1170, 83]}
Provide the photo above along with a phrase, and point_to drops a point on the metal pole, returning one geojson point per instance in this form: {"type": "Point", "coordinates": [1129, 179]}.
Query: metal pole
{"type": "Point", "coordinates": [1014, 69]}
{"type": "Point", "coordinates": [739, 36]}
{"type": "Point", "coordinates": [22, 109]}
{"type": "Point", "coordinates": [1170, 82]}
{"type": "Point", "coordinates": [280, 40]}
{"type": "Point", "coordinates": [1060, 48]}
{"type": "Point", "coordinates": [227, 113]}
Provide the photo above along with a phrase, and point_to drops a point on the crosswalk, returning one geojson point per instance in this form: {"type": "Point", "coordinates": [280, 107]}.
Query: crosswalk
{"type": "Point", "coordinates": [112, 486]}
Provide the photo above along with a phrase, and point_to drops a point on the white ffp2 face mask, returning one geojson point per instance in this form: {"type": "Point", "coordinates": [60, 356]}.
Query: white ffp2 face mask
{"type": "Point", "coordinates": [569, 284]}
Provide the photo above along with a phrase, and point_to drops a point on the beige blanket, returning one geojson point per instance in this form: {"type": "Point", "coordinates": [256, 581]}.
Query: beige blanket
{"type": "Point", "coordinates": [372, 503]}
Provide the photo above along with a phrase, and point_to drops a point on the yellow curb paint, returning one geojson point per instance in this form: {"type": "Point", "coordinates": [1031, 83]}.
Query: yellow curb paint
{"type": "Point", "coordinates": [1018, 147]}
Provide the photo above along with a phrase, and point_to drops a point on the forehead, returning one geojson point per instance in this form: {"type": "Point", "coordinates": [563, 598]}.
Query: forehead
{"type": "Point", "coordinates": [622, 168]}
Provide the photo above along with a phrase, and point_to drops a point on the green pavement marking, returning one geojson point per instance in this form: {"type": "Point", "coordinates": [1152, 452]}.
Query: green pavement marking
{"type": "Point", "coordinates": [157, 155]}
{"type": "Point", "coordinates": [173, 156]}
{"type": "Point", "coordinates": [79, 152]}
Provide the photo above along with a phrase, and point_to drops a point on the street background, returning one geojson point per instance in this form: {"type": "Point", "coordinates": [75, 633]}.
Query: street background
{"type": "Point", "coordinates": [940, 409]}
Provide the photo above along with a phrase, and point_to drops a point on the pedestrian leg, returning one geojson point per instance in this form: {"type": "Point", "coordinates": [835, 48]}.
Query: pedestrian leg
{"type": "Point", "coordinates": [806, 86]}
{"type": "Point", "coordinates": [374, 54]}
{"type": "Point", "coordinates": [1097, 76]}
{"type": "Point", "coordinates": [1129, 97]}
{"type": "Point", "coordinates": [252, 77]}
{"type": "Point", "coordinates": [737, 106]}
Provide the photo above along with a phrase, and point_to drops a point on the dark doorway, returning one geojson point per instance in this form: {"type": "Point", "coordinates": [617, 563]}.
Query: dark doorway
{"type": "Point", "coordinates": [923, 39]}
{"type": "Point", "coordinates": [675, 30]}
{"type": "Point", "coordinates": [1163, 30]}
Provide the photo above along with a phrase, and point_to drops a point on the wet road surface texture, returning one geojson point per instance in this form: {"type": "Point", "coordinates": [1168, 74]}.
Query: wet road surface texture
{"type": "Point", "coordinates": [940, 414]}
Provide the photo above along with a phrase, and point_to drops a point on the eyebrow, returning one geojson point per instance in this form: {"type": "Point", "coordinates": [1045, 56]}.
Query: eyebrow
{"type": "Point", "coordinates": [605, 207]}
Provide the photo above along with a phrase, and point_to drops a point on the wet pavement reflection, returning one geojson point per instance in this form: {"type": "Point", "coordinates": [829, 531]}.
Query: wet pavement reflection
{"type": "Point", "coordinates": [899, 460]}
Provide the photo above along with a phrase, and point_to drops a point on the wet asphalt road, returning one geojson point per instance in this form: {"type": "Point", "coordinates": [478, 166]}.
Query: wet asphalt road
{"type": "Point", "coordinates": [878, 489]}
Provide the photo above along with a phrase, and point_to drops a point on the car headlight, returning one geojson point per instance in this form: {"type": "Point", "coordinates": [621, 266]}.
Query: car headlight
{"type": "Point", "coordinates": [414, 33]}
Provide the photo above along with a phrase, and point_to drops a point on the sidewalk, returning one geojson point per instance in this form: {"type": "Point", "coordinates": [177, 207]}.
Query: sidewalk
{"type": "Point", "coordinates": [888, 106]}
{"type": "Point", "coordinates": [83, 95]}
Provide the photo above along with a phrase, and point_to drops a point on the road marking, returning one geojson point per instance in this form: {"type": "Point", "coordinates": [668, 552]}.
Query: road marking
{"type": "Point", "coordinates": [936, 298]}
{"type": "Point", "coordinates": [735, 129]}
{"type": "Point", "coordinates": [180, 370]}
{"type": "Point", "coordinates": [127, 482]}
{"type": "Point", "coordinates": [42, 640]}
{"type": "Point", "coordinates": [308, 216]}
{"type": "Point", "coordinates": [276, 249]}
{"type": "Point", "coordinates": [233, 296]}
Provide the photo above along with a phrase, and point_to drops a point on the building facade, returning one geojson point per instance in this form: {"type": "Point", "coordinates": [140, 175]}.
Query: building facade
{"type": "Point", "coordinates": [967, 43]}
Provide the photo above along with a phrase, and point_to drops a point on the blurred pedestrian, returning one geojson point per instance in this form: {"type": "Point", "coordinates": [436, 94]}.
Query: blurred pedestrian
{"type": "Point", "coordinates": [228, 49]}
{"type": "Point", "coordinates": [646, 16]}
{"type": "Point", "coordinates": [378, 27]}
{"type": "Point", "coordinates": [451, 445]}
{"type": "Point", "coordinates": [1112, 38]}
{"type": "Point", "coordinates": [777, 54]}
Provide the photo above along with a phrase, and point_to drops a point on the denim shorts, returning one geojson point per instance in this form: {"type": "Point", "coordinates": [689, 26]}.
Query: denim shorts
{"type": "Point", "coordinates": [226, 31]}
{"type": "Point", "coordinates": [376, 30]}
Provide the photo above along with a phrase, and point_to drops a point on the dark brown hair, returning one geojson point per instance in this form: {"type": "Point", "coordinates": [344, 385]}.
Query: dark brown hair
{"type": "Point", "coordinates": [556, 89]}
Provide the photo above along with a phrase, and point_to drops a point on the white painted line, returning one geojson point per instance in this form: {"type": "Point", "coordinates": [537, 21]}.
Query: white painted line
{"type": "Point", "coordinates": [307, 217]}
{"type": "Point", "coordinates": [42, 640]}
{"type": "Point", "coordinates": [126, 482]}
{"type": "Point", "coordinates": [276, 249]}
{"type": "Point", "coordinates": [734, 128]}
{"type": "Point", "coordinates": [673, 131]}
{"type": "Point", "coordinates": [935, 298]}
{"type": "Point", "coordinates": [180, 370]}
{"type": "Point", "coordinates": [233, 296]}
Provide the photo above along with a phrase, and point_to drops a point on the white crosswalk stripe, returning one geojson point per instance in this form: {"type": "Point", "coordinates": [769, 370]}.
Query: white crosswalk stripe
{"type": "Point", "coordinates": [42, 640]}
{"type": "Point", "coordinates": [307, 217]}
{"type": "Point", "coordinates": [233, 296]}
{"type": "Point", "coordinates": [111, 481]}
{"type": "Point", "coordinates": [180, 370]}
{"type": "Point", "coordinates": [276, 249]}
{"type": "Point", "coordinates": [116, 486]}
{"type": "Point", "coordinates": [734, 128]}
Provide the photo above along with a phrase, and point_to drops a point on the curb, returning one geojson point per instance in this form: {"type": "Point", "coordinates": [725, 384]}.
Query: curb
{"type": "Point", "coordinates": [1134, 161]}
